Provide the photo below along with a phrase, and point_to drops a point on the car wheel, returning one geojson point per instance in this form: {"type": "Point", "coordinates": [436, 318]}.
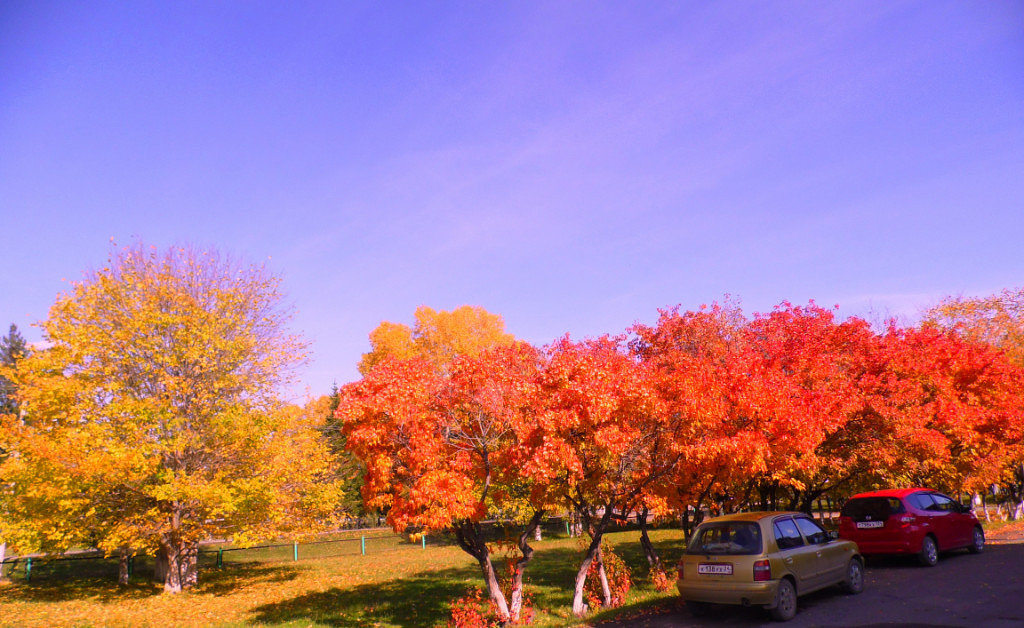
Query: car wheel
{"type": "Point", "coordinates": [929, 554]}
{"type": "Point", "coordinates": [697, 609]}
{"type": "Point", "coordinates": [854, 582]}
{"type": "Point", "coordinates": [977, 541]}
{"type": "Point", "coordinates": [785, 601]}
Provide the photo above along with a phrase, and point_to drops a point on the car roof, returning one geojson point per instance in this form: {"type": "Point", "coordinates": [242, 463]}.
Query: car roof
{"type": "Point", "coordinates": [753, 516]}
{"type": "Point", "coordinates": [892, 492]}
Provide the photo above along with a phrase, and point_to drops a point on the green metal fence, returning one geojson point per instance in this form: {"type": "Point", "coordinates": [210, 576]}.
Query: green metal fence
{"type": "Point", "coordinates": [97, 565]}
{"type": "Point", "coordinates": [359, 542]}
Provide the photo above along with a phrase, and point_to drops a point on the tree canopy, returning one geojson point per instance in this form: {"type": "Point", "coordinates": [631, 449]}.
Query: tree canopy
{"type": "Point", "coordinates": [437, 336]}
{"type": "Point", "coordinates": [152, 421]}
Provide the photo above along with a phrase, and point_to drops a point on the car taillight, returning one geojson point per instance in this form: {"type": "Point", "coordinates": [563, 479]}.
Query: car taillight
{"type": "Point", "coordinates": [845, 521]}
{"type": "Point", "coordinates": [762, 571]}
{"type": "Point", "coordinates": [679, 568]}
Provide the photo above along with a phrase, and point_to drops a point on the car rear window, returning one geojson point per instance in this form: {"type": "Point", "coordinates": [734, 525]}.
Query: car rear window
{"type": "Point", "coordinates": [876, 508]}
{"type": "Point", "coordinates": [726, 537]}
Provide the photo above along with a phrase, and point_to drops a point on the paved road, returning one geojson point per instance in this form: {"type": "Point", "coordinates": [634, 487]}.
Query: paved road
{"type": "Point", "coordinates": [985, 590]}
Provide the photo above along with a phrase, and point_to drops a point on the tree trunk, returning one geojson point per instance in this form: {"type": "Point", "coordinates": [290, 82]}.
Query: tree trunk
{"type": "Point", "coordinates": [190, 566]}
{"type": "Point", "coordinates": [468, 535]}
{"type": "Point", "coordinates": [123, 557]}
{"type": "Point", "coordinates": [516, 605]}
{"type": "Point", "coordinates": [606, 591]}
{"type": "Point", "coordinates": [645, 542]}
{"type": "Point", "coordinates": [172, 569]}
{"type": "Point", "coordinates": [579, 608]}
{"type": "Point", "coordinates": [177, 565]}
{"type": "Point", "coordinates": [984, 507]}
{"type": "Point", "coordinates": [3, 556]}
{"type": "Point", "coordinates": [494, 588]}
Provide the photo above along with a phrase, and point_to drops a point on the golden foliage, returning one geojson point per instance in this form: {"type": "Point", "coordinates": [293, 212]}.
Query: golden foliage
{"type": "Point", "coordinates": [438, 336]}
{"type": "Point", "coordinates": [997, 320]}
{"type": "Point", "coordinates": [152, 420]}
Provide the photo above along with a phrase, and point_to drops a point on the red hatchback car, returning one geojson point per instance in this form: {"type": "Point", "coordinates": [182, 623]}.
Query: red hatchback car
{"type": "Point", "coordinates": [910, 521]}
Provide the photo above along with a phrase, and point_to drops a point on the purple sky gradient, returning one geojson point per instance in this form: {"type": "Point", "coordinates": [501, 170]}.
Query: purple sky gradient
{"type": "Point", "coordinates": [571, 166]}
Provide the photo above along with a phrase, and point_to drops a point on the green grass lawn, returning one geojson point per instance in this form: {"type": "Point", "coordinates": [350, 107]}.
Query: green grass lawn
{"type": "Point", "coordinates": [395, 584]}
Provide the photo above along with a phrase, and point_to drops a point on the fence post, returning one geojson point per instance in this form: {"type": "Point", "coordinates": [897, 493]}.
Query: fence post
{"type": "Point", "coordinates": [567, 533]}
{"type": "Point", "coordinates": [131, 565]}
{"type": "Point", "coordinates": [220, 558]}
{"type": "Point", "coordinates": [28, 570]}
{"type": "Point", "coordinates": [295, 551]}
{"type": "Point", "coordinates": [423, 540]}
{"type": "Point", "coordinates": [363, 539]}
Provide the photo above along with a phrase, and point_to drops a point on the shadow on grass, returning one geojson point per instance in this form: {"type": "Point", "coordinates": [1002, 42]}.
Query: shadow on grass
{"type": "Point", "coordinates": [100, 590]}
{"type": "Point", "coordinates": [106, 591]}
{"type": "Point", "coordinates": [423, 599]}
{"type": "Point", "coordinates": [240, 575]}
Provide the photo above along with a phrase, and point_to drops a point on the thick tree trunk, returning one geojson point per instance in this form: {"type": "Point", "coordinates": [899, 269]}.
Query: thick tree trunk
{"type": "Point", "coordinates": [172, 574]}
{"type": "Point", "coordinates": [471, 541]}
{"type": "Point", "coordinates": [516, 603]}
{"type": "Point", "coordinates": [190, 566]}
{"type": "Point", "coordinates": [177, 565]}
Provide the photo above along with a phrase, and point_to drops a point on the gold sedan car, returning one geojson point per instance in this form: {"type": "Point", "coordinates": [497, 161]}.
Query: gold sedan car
{"type": "Point", "coordinates": [765, 559]}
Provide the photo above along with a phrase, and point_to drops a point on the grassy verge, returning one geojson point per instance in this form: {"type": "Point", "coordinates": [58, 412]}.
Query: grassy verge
{"type": "Point", "coordinates": [404, 586]}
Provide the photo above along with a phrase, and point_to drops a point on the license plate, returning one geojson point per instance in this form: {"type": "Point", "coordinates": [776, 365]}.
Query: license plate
{"type": "Point", "coordinates": [715, 569]}
{"type": "Point", "coordinates": [870, 524]}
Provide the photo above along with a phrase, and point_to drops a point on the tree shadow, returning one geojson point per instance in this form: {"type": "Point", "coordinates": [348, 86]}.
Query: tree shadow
{"type": "Point", "coordinates": [103, 590]}
{"type": "Point", "coordinates": [424, 598]}
{"type": "Point", "coordinates": [241, 575]}
{"type": "Point", "coordinates": [420, 600]}
{"type": "Point", "coordinates": [106, 591]}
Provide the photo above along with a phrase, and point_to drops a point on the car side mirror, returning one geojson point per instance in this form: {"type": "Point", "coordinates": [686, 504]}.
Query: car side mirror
{"type": "Point", "coordinates": [833, 535]}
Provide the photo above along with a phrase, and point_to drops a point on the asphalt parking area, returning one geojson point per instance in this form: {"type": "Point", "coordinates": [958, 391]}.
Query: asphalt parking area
{"type": "Point", "coordinates": [964, 589]}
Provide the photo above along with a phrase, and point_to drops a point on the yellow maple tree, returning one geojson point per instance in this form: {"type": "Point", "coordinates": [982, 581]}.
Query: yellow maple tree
{"type": "Point", "coordinates": [152, 421]}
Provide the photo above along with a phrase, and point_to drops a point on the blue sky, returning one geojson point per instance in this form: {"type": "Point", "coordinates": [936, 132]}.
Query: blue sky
{"type": "Point", "coordinates": [571, 166]}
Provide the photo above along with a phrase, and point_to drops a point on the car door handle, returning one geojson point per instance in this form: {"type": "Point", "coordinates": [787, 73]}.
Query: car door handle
{"type": "Point", "coordinates": [819, 554]}
{"type": "Point", "coordinates": [789, 561]}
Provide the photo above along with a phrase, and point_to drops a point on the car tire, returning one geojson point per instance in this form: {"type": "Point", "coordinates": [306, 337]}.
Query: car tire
{"type": "Point", "coordinates": [977, 541]}
{"type": "Point", "coordinates": [697, 609]}
{"type": "Point", "coordinates": [929, 554]}
{"type": "Point", "coordinates": [785, 601]}
{"type": "Point", "coordinates": [854, 582]}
